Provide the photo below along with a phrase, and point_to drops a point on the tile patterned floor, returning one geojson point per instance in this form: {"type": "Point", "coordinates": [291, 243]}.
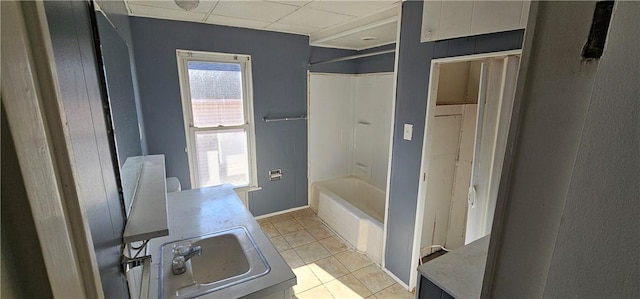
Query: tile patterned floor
{"type": "Point", "coordinates": [325, 266]}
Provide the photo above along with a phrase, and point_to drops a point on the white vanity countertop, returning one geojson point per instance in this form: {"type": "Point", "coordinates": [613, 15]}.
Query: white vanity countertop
{"type": "Point", "coordinates": [461, 271]}
{"type": "Point", "coordinates": [198, 212]}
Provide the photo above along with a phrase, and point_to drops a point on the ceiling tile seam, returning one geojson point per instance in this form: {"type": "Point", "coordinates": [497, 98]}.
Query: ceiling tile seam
{"type": "Point", "coordinates": [323, 10]}
{"type": "Point", "coordinates": [207, 15]}
{"type": "Point", "coordinates": [300, 7]}
{"type": "Point", "coordinates": [126, 4]}
{"type": "Point", "coordinates": [374, 12]}
{"type": "Point", "coordinates": [297, 8]}
{"type": "Point", "coordinates": [356, 19]}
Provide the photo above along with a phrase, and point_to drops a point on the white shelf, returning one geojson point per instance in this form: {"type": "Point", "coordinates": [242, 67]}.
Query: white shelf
{"type": "Point", "coordinates": [148, 216]}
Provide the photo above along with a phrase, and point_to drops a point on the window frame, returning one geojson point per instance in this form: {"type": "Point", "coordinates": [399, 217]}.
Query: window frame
{"type": "Point", "coordinates": [183, 58]}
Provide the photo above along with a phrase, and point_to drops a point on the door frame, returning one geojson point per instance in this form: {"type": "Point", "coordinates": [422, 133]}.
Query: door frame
{"type": "Point", "coordinates": [31, 97]}
{"type": "Point", "coordinates": [426, 148]}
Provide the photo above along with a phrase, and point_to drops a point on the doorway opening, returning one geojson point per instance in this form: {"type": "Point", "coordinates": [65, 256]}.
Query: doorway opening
{"type": "Point", "coordinates": [467, 121]}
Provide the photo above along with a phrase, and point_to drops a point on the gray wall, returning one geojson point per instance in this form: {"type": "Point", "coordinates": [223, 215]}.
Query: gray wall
{"type": "Point", "coordinates": [24, 274]}
{"type": "Point", "coordinates": [571, 208]}
{"type": "Point", "coordinates": [279, 63]}
{"type": "Point", "coordinates": [411, 97]}
{"type": "Point", "coordinates": [376, 64]}
{"type": "Point", "coordinates": [323, 54]}
{"type": "Point", "coordinates": [80, 89]}
{"type": "Point", "coordinates": [366, 65]}
{"type": "Point", "coordinates": [122, 99]}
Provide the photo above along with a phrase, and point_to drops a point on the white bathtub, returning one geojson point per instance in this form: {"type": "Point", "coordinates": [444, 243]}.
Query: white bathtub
{"type": "Point", "coordinates": [355, 210]}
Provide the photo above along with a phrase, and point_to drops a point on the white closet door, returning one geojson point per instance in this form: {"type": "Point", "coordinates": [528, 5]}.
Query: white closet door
{"type": "Point", "coordinates": [440, 179]}
{"type": "Point", "coordinates": [497, 86]}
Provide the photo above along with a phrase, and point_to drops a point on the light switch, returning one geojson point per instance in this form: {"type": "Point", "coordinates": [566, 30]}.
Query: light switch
{"type": "Point", "coordinates": [408, 131]}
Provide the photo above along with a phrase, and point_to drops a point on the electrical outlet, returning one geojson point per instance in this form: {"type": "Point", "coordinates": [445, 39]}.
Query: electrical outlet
{"type": "Point", "coordinates": [275, 174]}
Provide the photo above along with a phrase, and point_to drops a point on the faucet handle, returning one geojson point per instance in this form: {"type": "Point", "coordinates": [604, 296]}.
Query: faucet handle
{"type": "Point", "coordinates": [181, 249]}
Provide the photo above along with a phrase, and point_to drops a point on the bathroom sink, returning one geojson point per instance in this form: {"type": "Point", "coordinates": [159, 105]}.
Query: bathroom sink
{"type": "Point", "coordinates": [227, 258]}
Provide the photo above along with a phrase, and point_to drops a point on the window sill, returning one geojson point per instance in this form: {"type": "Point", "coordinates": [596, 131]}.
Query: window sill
{"type": "Point", "coordinates": [247, 188]}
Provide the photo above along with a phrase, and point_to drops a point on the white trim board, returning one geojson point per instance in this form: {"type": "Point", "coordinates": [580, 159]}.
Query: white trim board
{"type": "Point", "coordinates": [281, 212]}
{"type": "Point", "coordinates": [392, 127]}
{"type": "Point", "coordinates": [431, 109]}
{"type": "Point", "coordinates": [39, 128]}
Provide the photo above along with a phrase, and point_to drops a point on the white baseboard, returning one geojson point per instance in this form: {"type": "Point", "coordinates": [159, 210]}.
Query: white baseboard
{"type": "Point", "coordinates": [400, 282]}
{"type": "Point", "coordinates": [281, 212]}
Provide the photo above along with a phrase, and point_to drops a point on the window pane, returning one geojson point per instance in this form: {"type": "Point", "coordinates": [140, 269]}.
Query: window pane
{"type": "Point", "coordinates": [216, 93]}
{"type": "Point", "coordinates": [222, 158]}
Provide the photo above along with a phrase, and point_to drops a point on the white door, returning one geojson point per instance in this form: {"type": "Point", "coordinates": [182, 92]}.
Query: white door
{"type": "Point", "coordinates": [495, 102]}
{"type": "Point", "coordinates": [440, 179]}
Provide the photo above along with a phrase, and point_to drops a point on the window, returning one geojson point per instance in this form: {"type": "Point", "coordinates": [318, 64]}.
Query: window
{"type": "Point", "coordinates": [218, 117]}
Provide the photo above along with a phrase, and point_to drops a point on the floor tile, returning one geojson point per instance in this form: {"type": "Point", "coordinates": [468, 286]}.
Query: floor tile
{"type": "Point", "coordinates": [292, 259]}
{"type": "Point", "coordinates": [311, 252]}
{"type": "Point", "coordinates": [347, 287]}
{"type": "Point", "coordinates": [373, 278]}
{"type": "Point", "coordinates": [263, 221]}
{"type": "Point", "coordinates": [309, 221]}
{"type": "Point", "coordinates": [306, 280]}
{"type": "Point", "coordinates": [288, 226]}
{"type": "Point", "coordinates": [320, 232]}
{"type": "Point", "coordinates": [328, 269]}
{"type": "Point", "coordinates": [302, 212]}
{"type": "Point", "coordinates": [280, 243]}
{"type": "Point", "coordinates": [319, 292]}
{"type": "Point", "coordinates": [298, 238]}
{"type": "Point", "coordinates": [281, 217]}
{"type": "Point", "coordinates": [353, 260]}
{"type": "Point", "coordinates": [334, 245]}
{"type": "Point", "coordinates": [395, 291]}
{"type": "Point", "coordinates": [270, 230]}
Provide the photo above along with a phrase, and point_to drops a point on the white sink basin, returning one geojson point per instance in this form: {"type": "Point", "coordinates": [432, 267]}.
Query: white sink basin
{"type": "Point", "coordinates": [228, 257]}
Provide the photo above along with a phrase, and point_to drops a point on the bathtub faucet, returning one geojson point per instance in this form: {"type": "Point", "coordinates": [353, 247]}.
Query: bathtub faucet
{"type": "Point", "coordinates": [179, 262]}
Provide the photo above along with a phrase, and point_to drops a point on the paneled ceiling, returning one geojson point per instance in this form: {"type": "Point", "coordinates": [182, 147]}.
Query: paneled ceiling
{"type": "Point", "coordinates": [355, 25]}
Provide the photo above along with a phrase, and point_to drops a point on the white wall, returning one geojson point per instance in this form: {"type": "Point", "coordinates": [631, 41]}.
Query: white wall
{"type": "Point", "coordinates": [330, 126]}
{"type": "Point", "coordinates": [349, 127]}
{"type": "Point", "coordinates": [373, 102]}
{"type": "Point", "coordinates": [449, 175]}
{"type": "Point", "coordinates": [570, 226]}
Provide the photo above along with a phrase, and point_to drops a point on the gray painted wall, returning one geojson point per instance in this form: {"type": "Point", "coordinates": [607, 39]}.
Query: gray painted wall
{"type": "Point", "coordinates": [24, 274]}
{"type": "Point", "coordinates": [411, 97]}
{"type": "Point", "coordinates": [571, 208]}
{"type": "Point", "coordinates": [366, 65]}
{"type": "Point", "coordinates": [279, 63]}
{"type": "Point", "coordinates": [323, 54]}
{"type": "Point", "coordinates": [80, 89]}
{"type": "Point", "coordinates": [122, 100]}
{"type": "Point", "coordinates": [376, 64]}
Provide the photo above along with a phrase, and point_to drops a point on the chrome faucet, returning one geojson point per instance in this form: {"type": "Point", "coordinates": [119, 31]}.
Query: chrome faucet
{"type": "Point", "coordinates": [181, 256]}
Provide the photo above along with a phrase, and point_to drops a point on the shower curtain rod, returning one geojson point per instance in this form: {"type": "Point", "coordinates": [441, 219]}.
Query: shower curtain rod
{"type": "Point", "coordinates": [353, 57]}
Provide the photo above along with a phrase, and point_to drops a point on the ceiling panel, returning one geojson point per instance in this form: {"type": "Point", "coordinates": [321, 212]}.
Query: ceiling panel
{"type": "Point", "coordinates": [382, 35]}
{"type": "Point", "coordinates": [353, 8]}
{"type": "Point", "coordinates": [254, 10]}
{"type": "Point", "coordinates": [329, 23]}
{"type": "Point", "coordinates": [314, 18]}
{"type": "Point", "coordinates": [236, 22]}
{"type": "Point", "coordinates": [204, 7]}
{"type": "Point", "coordinates": [292, 28]}
{"type": "Point", "coordinates": [291, 2]}
{"type": "Point", "coordinates": [163, 13]}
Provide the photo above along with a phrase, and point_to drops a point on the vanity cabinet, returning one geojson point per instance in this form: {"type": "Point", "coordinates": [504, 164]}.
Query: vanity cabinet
{"type": "Point", "coordinates": [457, 274]}
{"type": "Point", "coordinates": [428, 290]}
{"type": "Point", "coordinates": [451, 19]}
